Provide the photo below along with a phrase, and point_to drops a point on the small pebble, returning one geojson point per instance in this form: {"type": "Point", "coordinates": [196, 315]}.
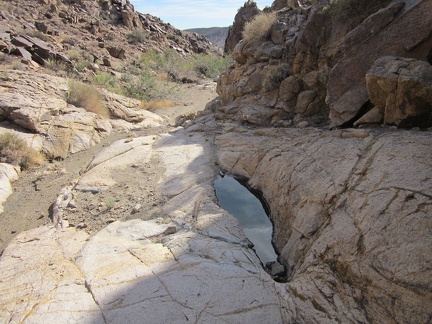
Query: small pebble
{"type": "Point", "coordinates": [136, 208]}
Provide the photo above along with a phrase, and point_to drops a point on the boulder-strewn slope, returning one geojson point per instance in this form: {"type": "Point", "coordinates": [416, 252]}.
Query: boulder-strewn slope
{"type": "Point", "coordinates": [107, 30]}
{"type": "Point", "coordinates": [38, 104]}
{"type": "Point", "coordinates": [216, 35]}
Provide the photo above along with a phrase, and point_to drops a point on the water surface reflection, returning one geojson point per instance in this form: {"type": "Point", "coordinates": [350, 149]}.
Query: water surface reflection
{"type": "Point", "coordinates": [236, 199]}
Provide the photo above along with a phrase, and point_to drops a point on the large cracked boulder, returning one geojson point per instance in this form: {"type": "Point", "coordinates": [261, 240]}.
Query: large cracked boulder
{"type": "Point", "coordinates": [401, 89]}
{"type": "Point", "coordinates": [8, 174]}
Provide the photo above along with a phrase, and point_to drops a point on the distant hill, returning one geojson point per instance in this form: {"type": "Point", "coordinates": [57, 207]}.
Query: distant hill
{"type": "Point", "coordinates": [215, 35]}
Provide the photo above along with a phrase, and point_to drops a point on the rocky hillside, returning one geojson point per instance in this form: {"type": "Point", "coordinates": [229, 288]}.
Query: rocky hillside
{"type": "Point", "coordinates": [216, 35]}
{"type": "Point", "coordinates": [310, 65]}
{"type": "Point", "coordinates": [106, 30]}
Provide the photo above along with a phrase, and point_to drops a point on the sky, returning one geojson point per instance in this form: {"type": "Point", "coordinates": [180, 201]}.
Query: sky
{"type": "Point", "coordinates": [185, 14]}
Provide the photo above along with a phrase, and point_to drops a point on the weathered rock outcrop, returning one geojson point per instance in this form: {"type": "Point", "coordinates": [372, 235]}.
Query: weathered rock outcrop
{"type": "Point", "coordinates": [352, 222]}
{"type": "Point", "coordinates": [192, 264]}
{"type": "Point", "coordinates": [351, 211]}
{"type": "Point", "coordinates": [310, 70]}
{"type": "Point", "coordinates": [38, 103]}
{"type": "Point", "coordinates": [401, 90]}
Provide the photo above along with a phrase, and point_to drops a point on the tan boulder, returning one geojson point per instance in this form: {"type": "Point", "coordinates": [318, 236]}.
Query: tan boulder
{"type": "Point", "coordinates": [401, 89]}
{"type": "Point", "coordinates": [8, 174]}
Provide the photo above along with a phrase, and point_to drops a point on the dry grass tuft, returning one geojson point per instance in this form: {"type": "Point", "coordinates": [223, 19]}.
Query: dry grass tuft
{"type": "Point", "coordinates": [153, 105]}
{"type": "Point", "coordinates": [259, 27]}
{"type": "Point", "coordinates": [87, 97]}
{"type": "Point", "coordinates": [15, 151]}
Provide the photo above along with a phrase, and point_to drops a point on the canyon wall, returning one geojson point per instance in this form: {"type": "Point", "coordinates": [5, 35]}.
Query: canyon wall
{"type": "Point", "coordinates": [312, 67]}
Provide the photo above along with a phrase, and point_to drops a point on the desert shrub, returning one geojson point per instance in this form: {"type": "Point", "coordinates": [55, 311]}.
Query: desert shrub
{"type": "Point", "coordinates": [110, 203]}
{"type": "Point", "coordinates": [36, 33]}
{"type": "Point", "coordinates": [136, 36]}
{"type": "Point", "coordinates": [87, 97]}
{"type": "Point", "coordinates": [162, 62]}
{"type": "Point", "coordinates": [18, 65]}
{"type": "Point", "coordinates": [212, 65]}
{"type": "Point", "coordinates": [55, 65]}
{"type": "Point", "coordinates": [274, 76]}
{"type": "Point", "coordinates": [69, 41]}
{"type": "Point", "coordinates": [105, 80]}
{"type": "Point", "coordinates": [74, 55]}
{"type": "Point", "coordinates": [81, 66]}
{"type": "Point", "coordinates": [15, 151]}
{"type": "Point", "coordinates": [259, 27]}
{"type": "Point", "coordinates": [175, 38]}
{"type": "Point", "coordinates": [354, 12]}
{"type": "Point", "coordinates": [152, 105]}
{"type": "Point", "coordinates": [81, 59]}
{"type": "Point", "coordinates": [5, 58]}
{"type": "Point", "coordinates": [142, 87]}
{"type": "Point", "coordinates": [110, 36]}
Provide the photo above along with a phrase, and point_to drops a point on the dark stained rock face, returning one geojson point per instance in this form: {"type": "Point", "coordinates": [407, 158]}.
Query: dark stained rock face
{"type": "Point", "coordinates": [325, 82]}
{"type": "Point", "coordinates": [245, 14]}
{"type": "Point", "coordinates": [385, 33]}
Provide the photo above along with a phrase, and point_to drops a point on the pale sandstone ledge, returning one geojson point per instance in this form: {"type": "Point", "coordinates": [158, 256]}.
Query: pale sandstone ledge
{"type": "Point", "coordinates": [192, 264]}
{"type": "Point", "coordinates": [352, 213]}
{"type": "Point", "coordinates": [36, 104]}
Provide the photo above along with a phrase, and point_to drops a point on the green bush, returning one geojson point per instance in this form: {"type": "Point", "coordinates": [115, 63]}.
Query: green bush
{"type": "Point", "coordinates": [173, 63]}
{"type": "Point", "coordinates": [55, 65]}
{"type": "Point", "coordinates": [212, 65]}
{"type": "Point", "coordinates": [274, 76]}
{"type": "Point", "coordinates": [105, 80]}
{"type": "Point", "coordinates": [142, 87]}
{"type": "Point", "coordinates": [81, 66]}
{"type": "Point", "coordinates": [161, 62]}
{"type": "Point", "coordinates": [175, 39]}
{"type": "Point", "coordinates": [15, 151]}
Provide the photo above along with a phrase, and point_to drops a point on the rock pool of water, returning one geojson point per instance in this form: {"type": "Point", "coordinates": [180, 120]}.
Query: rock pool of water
{"type": "Point", "coordinates": [248, 209]}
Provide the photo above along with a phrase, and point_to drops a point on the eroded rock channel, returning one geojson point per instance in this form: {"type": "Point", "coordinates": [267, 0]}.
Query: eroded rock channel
{"type": "Point", "coordinates": [252, 212]}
